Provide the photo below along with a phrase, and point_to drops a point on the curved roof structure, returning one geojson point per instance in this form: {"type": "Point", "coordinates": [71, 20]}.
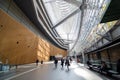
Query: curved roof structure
{"type": "Point", "coordinates": [69, 24]}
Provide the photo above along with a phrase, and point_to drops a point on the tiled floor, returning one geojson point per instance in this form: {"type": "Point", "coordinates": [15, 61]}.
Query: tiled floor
{"type": "Point", "coordinates": [47, 71]}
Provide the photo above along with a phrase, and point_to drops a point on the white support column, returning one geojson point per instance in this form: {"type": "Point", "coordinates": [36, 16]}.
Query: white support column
{"type": "Point", "coordinates": [68, 44]}
{"type": "Point", "coordinates": [83, 56]}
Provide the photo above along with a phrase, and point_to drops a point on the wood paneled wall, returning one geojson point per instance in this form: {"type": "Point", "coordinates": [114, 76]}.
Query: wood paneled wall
{"type": "Point", "coordinates": [104, 55]}
{"type": "Point", "coordinates": [18, 45]}
{"type": "Point", "coordinates": [115, 53]}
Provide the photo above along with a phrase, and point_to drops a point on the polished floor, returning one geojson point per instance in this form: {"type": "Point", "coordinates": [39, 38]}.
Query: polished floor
{"type": "Point", "coordinates": [47, 71]}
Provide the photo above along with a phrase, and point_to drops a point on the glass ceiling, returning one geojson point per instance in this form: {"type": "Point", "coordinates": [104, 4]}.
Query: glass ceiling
{"type": "Point", "coordinates": [77, 21]}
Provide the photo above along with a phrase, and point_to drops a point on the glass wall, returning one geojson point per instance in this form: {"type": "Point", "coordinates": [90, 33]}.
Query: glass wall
{"type": "Point", "coordinates": [77, 20]}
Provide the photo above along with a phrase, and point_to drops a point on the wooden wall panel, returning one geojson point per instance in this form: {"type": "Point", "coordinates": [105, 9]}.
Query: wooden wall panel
{"type": "Point", "coordinates": [56, 51]}
{"type": "Point", "coordinates": [45, 50]}
{"type": "Point", "coordinates": [115, 53]}
{"type": "Point", "coordinates": [95, 56]}
{"type": "Point", "coordinates": [104, 56]}
{"type": "Point", "coordinates": [18, 45]}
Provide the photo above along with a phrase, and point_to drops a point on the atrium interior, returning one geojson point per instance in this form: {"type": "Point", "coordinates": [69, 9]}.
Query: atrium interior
{"type": "Point", "coordinates": [36, 33]}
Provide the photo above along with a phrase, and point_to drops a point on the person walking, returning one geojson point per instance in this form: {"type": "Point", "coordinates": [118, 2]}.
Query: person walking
{"type": "Point", "coordinates": [37, 61]}
{"type": "Point", "coordinates": [62, 62]}
{"type": "Point", "coordinates": [70, 59]}
{"type": "Point", "coordinates": [67, 63]}
{"type": "Point", "coordinates": [41, 61]}
{"type": "Point", "coordinates": [56, 62]}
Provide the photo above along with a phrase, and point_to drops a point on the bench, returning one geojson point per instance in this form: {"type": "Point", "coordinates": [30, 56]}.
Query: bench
{"type": "Point", "coordinates": [95, 67]}
{"type": "Point", "coordinates": [90, 66]}
{"type": "Point", "coordinates": [116, 76]}
{"type": "Point", "coordinates": [111, 72]}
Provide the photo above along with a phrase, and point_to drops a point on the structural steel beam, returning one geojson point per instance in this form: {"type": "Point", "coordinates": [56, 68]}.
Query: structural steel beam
{"type": "Point", "coordinates": [107, 36]}
{"type": "Point", "coordinates": [81, 24]}
{"type": "Point", "coordinates": [74, 2]}
{"type": "Point", "coordinates": [67, 17]}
